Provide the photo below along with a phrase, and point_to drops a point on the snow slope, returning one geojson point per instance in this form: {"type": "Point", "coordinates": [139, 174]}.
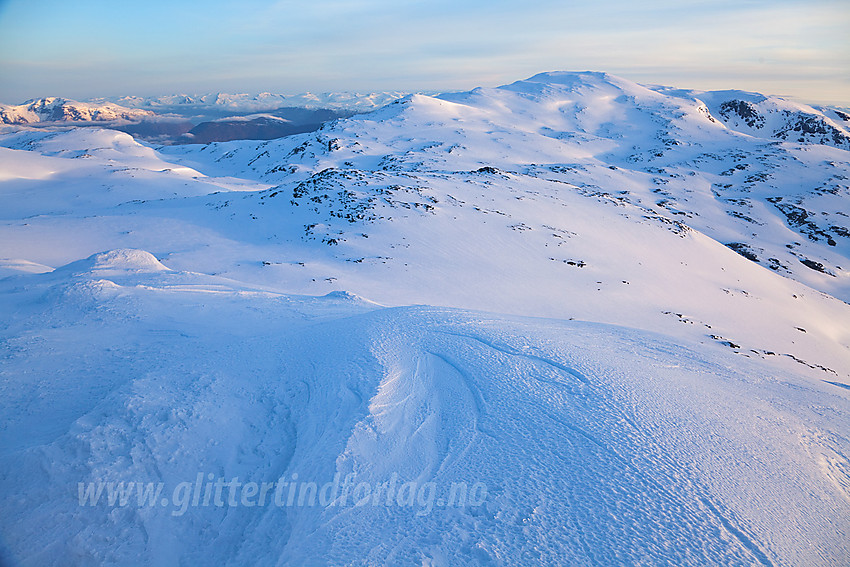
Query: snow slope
{"type": "Point", "coordinates": [596, 443]}
{"type": "Point", "coordinates": [619, 312]}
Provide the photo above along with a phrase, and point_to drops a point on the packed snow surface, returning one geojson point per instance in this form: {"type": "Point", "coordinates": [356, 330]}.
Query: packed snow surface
{"type": "Point", "coordinates": [568, 321]}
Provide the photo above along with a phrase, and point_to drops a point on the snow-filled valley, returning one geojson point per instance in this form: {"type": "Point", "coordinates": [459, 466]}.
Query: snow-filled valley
{"type": "Point", "coordinates": [615, 315]}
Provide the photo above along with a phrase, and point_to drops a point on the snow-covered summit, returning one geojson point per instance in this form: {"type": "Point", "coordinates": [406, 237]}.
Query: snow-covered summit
{"type": "Point", "coordinates": [576, 80]}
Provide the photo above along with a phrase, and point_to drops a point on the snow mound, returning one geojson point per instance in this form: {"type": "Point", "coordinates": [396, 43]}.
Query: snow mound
{"type": "Point", "coordinates": [348, 297]}
{"type": "Point", "coordinates": [117, 262]}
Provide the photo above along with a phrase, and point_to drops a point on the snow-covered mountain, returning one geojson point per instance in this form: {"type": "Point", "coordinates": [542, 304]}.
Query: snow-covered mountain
{"type": "Point", "coordinates": [616, 314]}
{"type": "Point", "coordinates": [54, 109]}
{"type": "Point", "coordinates": [781, 204]}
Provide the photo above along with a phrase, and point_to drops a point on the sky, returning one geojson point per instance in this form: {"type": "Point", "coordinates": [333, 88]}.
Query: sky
{"type": "Point", "coordinates": [97, 48]}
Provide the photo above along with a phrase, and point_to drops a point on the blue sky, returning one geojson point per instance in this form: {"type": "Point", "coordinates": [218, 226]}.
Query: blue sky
{"type": "Point", "coordinates": [90, 48]}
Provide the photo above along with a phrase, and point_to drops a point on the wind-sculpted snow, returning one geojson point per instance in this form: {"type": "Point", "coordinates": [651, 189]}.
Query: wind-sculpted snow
{"type": "Point", "coordinates": [572, 320]}
{"type": "Point", "coordinates": [589, 443]}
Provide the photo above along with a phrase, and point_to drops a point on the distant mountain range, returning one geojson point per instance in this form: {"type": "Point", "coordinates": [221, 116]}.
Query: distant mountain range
{"type": "Point", "coordinates": [54, 109]}
{"type": "Point", "coordinates": [233, 103]}
{"type": "Point", "coordinates": [197, 118]}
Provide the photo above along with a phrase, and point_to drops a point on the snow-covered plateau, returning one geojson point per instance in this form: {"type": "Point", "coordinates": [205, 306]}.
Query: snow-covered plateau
{"type": "Point", "coordinates": [572, 320]}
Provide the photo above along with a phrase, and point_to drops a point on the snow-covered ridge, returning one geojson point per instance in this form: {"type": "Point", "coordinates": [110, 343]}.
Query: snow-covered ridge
{"type": "Point", "coordinates": [774, 117]}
